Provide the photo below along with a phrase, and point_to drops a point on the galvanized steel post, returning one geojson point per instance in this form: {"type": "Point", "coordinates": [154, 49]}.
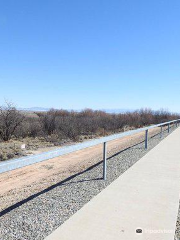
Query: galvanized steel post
{"type": "Point", "coordinates": [168, 128]}
{"type": "Point", "coordinates": [161, 132]}
{"type": "Point", "coordinates": [177, 123]}
{"type": "Point", "coordinates": [146, 139]}
{"type": "Point", "coordinates": [104, 160]}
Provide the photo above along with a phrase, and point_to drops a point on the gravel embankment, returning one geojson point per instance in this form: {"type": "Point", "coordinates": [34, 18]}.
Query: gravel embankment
{"type": "Point", "coordinates": [44, 212]}
{"type": "Point", "coordinates": [177, 235]}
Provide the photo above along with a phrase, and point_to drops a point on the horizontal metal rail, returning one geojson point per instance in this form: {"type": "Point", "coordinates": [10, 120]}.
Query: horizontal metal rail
{"type": "Point", "coordinates": [29, 160]}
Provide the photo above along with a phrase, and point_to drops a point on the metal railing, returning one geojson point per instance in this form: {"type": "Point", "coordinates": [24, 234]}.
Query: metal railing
{"type": "Point", "coordinates": [25, 161]}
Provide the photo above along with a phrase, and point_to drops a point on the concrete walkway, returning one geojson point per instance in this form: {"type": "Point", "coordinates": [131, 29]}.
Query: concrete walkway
{"type": "Point", "coordinates": [145, 197]}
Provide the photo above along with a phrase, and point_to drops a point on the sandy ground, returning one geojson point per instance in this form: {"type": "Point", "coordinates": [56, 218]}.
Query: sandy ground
{"type": "Point", "coordinates": [21, 183]}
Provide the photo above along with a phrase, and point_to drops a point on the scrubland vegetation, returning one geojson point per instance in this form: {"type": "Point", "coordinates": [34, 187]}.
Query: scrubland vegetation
{"type": "Point", "coordinates": [57, 127]}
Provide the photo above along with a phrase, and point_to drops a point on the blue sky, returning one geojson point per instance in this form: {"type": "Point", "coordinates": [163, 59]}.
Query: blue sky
{"type": "Point", "coordinates": [94, 53]}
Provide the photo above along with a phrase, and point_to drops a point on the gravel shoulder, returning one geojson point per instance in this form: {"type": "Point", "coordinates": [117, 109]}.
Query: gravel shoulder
{"type": "Point", "coordinates": [43, 212]}
{"type": "Point", "coordinates": [177, 235]}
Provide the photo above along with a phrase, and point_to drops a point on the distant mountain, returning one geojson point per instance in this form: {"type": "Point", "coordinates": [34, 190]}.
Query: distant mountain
{"type": "Point", "coordinates": [117, 110]}
{"type": "Point", "coordinates": [34, 109]}
{"type": "Point", "coordinates": [41, 109]}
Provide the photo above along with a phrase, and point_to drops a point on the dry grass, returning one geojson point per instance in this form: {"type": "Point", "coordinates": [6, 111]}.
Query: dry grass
{"type": "Point", "coordinates": [12, 148]}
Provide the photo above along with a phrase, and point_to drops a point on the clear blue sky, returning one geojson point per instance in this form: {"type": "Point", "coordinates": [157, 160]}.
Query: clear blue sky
{"type": "Point", "coordinates": [90, 53]}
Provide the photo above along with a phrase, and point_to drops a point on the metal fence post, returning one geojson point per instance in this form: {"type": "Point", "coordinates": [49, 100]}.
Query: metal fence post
{"type": "Point", "coordinates": [168, 128]}
{"type": "Point", "coordinates": [104, 160]}
{"type": "Point", "coordinates": [146, 139]}
{"type": "Point", "coordinates": [161, 131]}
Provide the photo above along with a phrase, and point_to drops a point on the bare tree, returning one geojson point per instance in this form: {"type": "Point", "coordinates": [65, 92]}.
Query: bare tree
{"type": "Point", "coordinates": [10, 120]}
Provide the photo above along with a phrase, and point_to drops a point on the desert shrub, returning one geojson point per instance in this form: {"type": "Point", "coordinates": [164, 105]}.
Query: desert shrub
{"type": "Point", "coordinates": [73, 125]}
{"type": "Point", "coordinates": [62, 125]}
{"type": "Point", "coordinates": [47, 121]}
{"type": "Point", "coordinates": [35, 128]}
{"type": "Point", "coordinates": [69, 127]}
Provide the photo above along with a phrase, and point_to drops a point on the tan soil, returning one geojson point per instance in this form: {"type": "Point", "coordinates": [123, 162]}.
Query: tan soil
{"type": "Point", "coordinates": [21, 183]}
